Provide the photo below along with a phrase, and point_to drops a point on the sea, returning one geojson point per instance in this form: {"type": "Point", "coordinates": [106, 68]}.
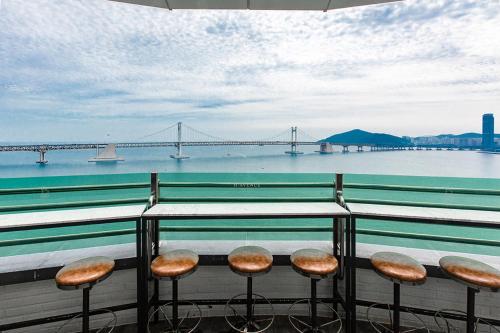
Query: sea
{"type": "Point", "coordinates": [251, 159]}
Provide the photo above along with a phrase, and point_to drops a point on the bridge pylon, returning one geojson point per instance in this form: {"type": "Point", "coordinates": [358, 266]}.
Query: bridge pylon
{"type": "Point", "coordinates": [41, 159]}
{"type": "Point", "coordinates": [178, 145]}
{"type": "Point", "coordinates": [293, 146]}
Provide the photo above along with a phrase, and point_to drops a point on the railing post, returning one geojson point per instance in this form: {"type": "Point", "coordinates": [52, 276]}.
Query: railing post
{"type": "Point", "coordinates": [340, 223]}
{"type": "Point", "coordinates": [338, 239]}
{"type": "Point", "coordinates": [155, 187]}
{"type": "Point", "coordinates": [155, 196]}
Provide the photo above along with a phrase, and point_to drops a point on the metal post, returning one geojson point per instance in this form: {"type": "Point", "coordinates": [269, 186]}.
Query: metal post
{"type": "Point", "coordinates": [85, 312]}
{"type": "Point", "coordinates": [175, 305]}
{"type": "Point", "coordinates": [142, 274]}
{"type": "Point", "coordinates": [338, 238]}
{"type": "Point", "coordinates": [353, 275]}
{"type": "Point", "coordinates": [339, 225]}
{"type": "Point", "coordinates": [471, 318]}
{"type": "Point", "coordinates": [313, 305]}
{"type": "Point", "coordinates": [348, 287]}
{"type": "Point", "coordinates": [249, 300]}
{"type": "Point", "coordinates": [138, 249]}
{"type": "Point", "coordinates": [396, 309]}
{"type": "Point", "coordinates": [335, 254]}
{"type": "Point", "coordinates": [155, 193]}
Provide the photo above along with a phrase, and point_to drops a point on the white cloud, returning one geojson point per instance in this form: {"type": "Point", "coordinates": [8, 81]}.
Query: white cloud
{"type": "Point", "coordinates": [411, 67]}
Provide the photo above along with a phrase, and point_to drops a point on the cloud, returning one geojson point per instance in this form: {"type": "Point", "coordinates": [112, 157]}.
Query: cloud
{"type": "Point", "coordinates": [410, 68]}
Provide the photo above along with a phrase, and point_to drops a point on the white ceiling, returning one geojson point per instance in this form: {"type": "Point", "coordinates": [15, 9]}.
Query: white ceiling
{"type": "Point", "coordinates": [255, 4]}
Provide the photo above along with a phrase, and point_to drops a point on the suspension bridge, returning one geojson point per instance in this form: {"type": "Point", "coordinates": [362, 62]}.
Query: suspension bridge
{"type": "Point", "coordinates": [180, 135]}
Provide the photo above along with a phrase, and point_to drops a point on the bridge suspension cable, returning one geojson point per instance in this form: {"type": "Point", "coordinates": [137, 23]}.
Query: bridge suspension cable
{"type": "Point", "coordinates": [306, 135]}
{"type": "Point", "coordinates": [213, 137]}
{"type": "Point", "coordinates": [156, 133]}
{"type": "Point", "coordinates": [284, 135]}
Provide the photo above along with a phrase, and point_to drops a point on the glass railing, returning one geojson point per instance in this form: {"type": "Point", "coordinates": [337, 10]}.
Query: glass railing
{"type": "Point", "coordinates": [23, 195]}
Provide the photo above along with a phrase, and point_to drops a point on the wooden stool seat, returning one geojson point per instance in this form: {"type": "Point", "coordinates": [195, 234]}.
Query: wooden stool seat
{"type": "Point", "coordinates": [314, 263]}
{"type": "Point", "coordinates": [250, 260]}
{"type": "Point", "coordinates": [471, 272]}
{"type": "Point", "coordinates": [84, 273]}
{"type": "Point", "coordinates": [399, 268]}
{"type": "Point", "coordinates": [174, 264]}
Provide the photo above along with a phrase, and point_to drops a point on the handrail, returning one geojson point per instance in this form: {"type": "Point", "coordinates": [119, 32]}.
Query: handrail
{"type": "Point", "coordinates": [53, 189]}
{"type": "Point", "coordinates": [184, 228]}
{"type": "Point", "coordinates": [72, 204]}
{"type": "Point", "coordinates": [439, 238]}
{"type": "Point", "coordinates": [422, 204]}
{"type": "Point", "coordinates": [409, 188]}
{"type": "Point", "coordinates": [248, 184]}
{"type": "Point", "coordinates": [61, 238]}
{"type": "Point", "coordinates": [246, 199]}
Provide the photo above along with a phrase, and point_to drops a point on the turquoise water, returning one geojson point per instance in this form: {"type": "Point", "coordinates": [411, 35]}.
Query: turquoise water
{"type": "Point", "coordinates": [257, 159]}
{"type": "Point", "coordinates": [419, 228]}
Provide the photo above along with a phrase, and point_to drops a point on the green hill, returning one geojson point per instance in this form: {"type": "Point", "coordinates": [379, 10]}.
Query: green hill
{"type": "Point", "coordinates": [360, 137]}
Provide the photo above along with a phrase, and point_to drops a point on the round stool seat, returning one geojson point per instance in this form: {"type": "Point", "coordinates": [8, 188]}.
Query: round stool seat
{"type": "Point", "coordinates": [250, 260]}
{"type": "Point", "coordinates": [84, 273]}
{"type": "Point", "coordinates": [174, 264]}
{"type": "Point", "coordinates": [314, 263]}
{"type": "Point", "coordinates": [398, 268]}
{"type": "Point", "coordinates": [471, 272]}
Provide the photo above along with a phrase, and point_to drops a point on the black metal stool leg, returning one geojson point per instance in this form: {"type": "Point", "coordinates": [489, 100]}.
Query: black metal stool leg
{"type": "Point", "coordinates": [249, 299]}
{"type": "Point", "coordinates": [395, 320]}
{"type": "Point", "coordinates": [471, 318]}
{"type": "Point", "coordinates": [175, 304]}
{"type": "Point", "coordinates": [314, 310]}
{"type": "Point", "coordinates": [85, 310]}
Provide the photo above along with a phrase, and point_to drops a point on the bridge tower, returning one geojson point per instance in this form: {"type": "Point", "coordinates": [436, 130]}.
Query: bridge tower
{"type": "Point", "coordinates": [178, 145]}
{"type": "Point", "coordinates": [293, 143]}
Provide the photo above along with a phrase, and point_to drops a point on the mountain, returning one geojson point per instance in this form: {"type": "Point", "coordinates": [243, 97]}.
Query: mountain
{"type": "Point", "coordinates": [359, 137]}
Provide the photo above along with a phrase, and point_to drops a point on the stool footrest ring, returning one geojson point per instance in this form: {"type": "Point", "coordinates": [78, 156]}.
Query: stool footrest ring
{"type": "Point", "coordinates": [303, 326]}
{"type": "Point", "coordinates": [193, 314]}
{"type": "Point", "coordinates": [383, 327]}
{"type": "Point", "coordinates": [257, 323]}
{"type": "Point", "coordinates": [107, 328]}
{"type": "Point", "coordinates": [446, 325]}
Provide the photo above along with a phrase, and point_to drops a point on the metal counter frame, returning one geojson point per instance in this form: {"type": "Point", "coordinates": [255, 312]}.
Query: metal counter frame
{"type": "Point", "coordinates": [151, 234]}
{"type": "Point", "coordinates": [43, 221]}
{"type": "Point", "coordinates": [471, 218]}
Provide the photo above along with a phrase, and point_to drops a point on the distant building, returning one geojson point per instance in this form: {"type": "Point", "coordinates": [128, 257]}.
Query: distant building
{"type": "Point", "coordinates": [488, 137]}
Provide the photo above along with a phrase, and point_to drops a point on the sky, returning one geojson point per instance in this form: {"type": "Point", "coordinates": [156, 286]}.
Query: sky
{"type": "Point", "coordinates": [95, 70]}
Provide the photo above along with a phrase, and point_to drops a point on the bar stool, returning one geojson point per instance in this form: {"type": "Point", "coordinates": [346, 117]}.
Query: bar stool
{"type": "Point", "coordinates": [249, 261]}
{"type": "Point", "coordinates": [84, 274]}
{"type": "Point", "coordinates": [173, 266]}
{"type": "Point", "coordinates": [476, 276]}
{"type": "Point", "coordinates": [400, 269]}
{"type": "Point", "coordinates": [315, 265]}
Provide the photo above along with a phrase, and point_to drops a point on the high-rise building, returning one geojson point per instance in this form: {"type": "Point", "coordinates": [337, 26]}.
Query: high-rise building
{"type": "Point", "coordinates": [488, 131]}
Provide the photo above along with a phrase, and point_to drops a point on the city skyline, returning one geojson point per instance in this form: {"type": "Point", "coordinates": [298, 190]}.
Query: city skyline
{"type": "Point", "coordinates": [77, 70]}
